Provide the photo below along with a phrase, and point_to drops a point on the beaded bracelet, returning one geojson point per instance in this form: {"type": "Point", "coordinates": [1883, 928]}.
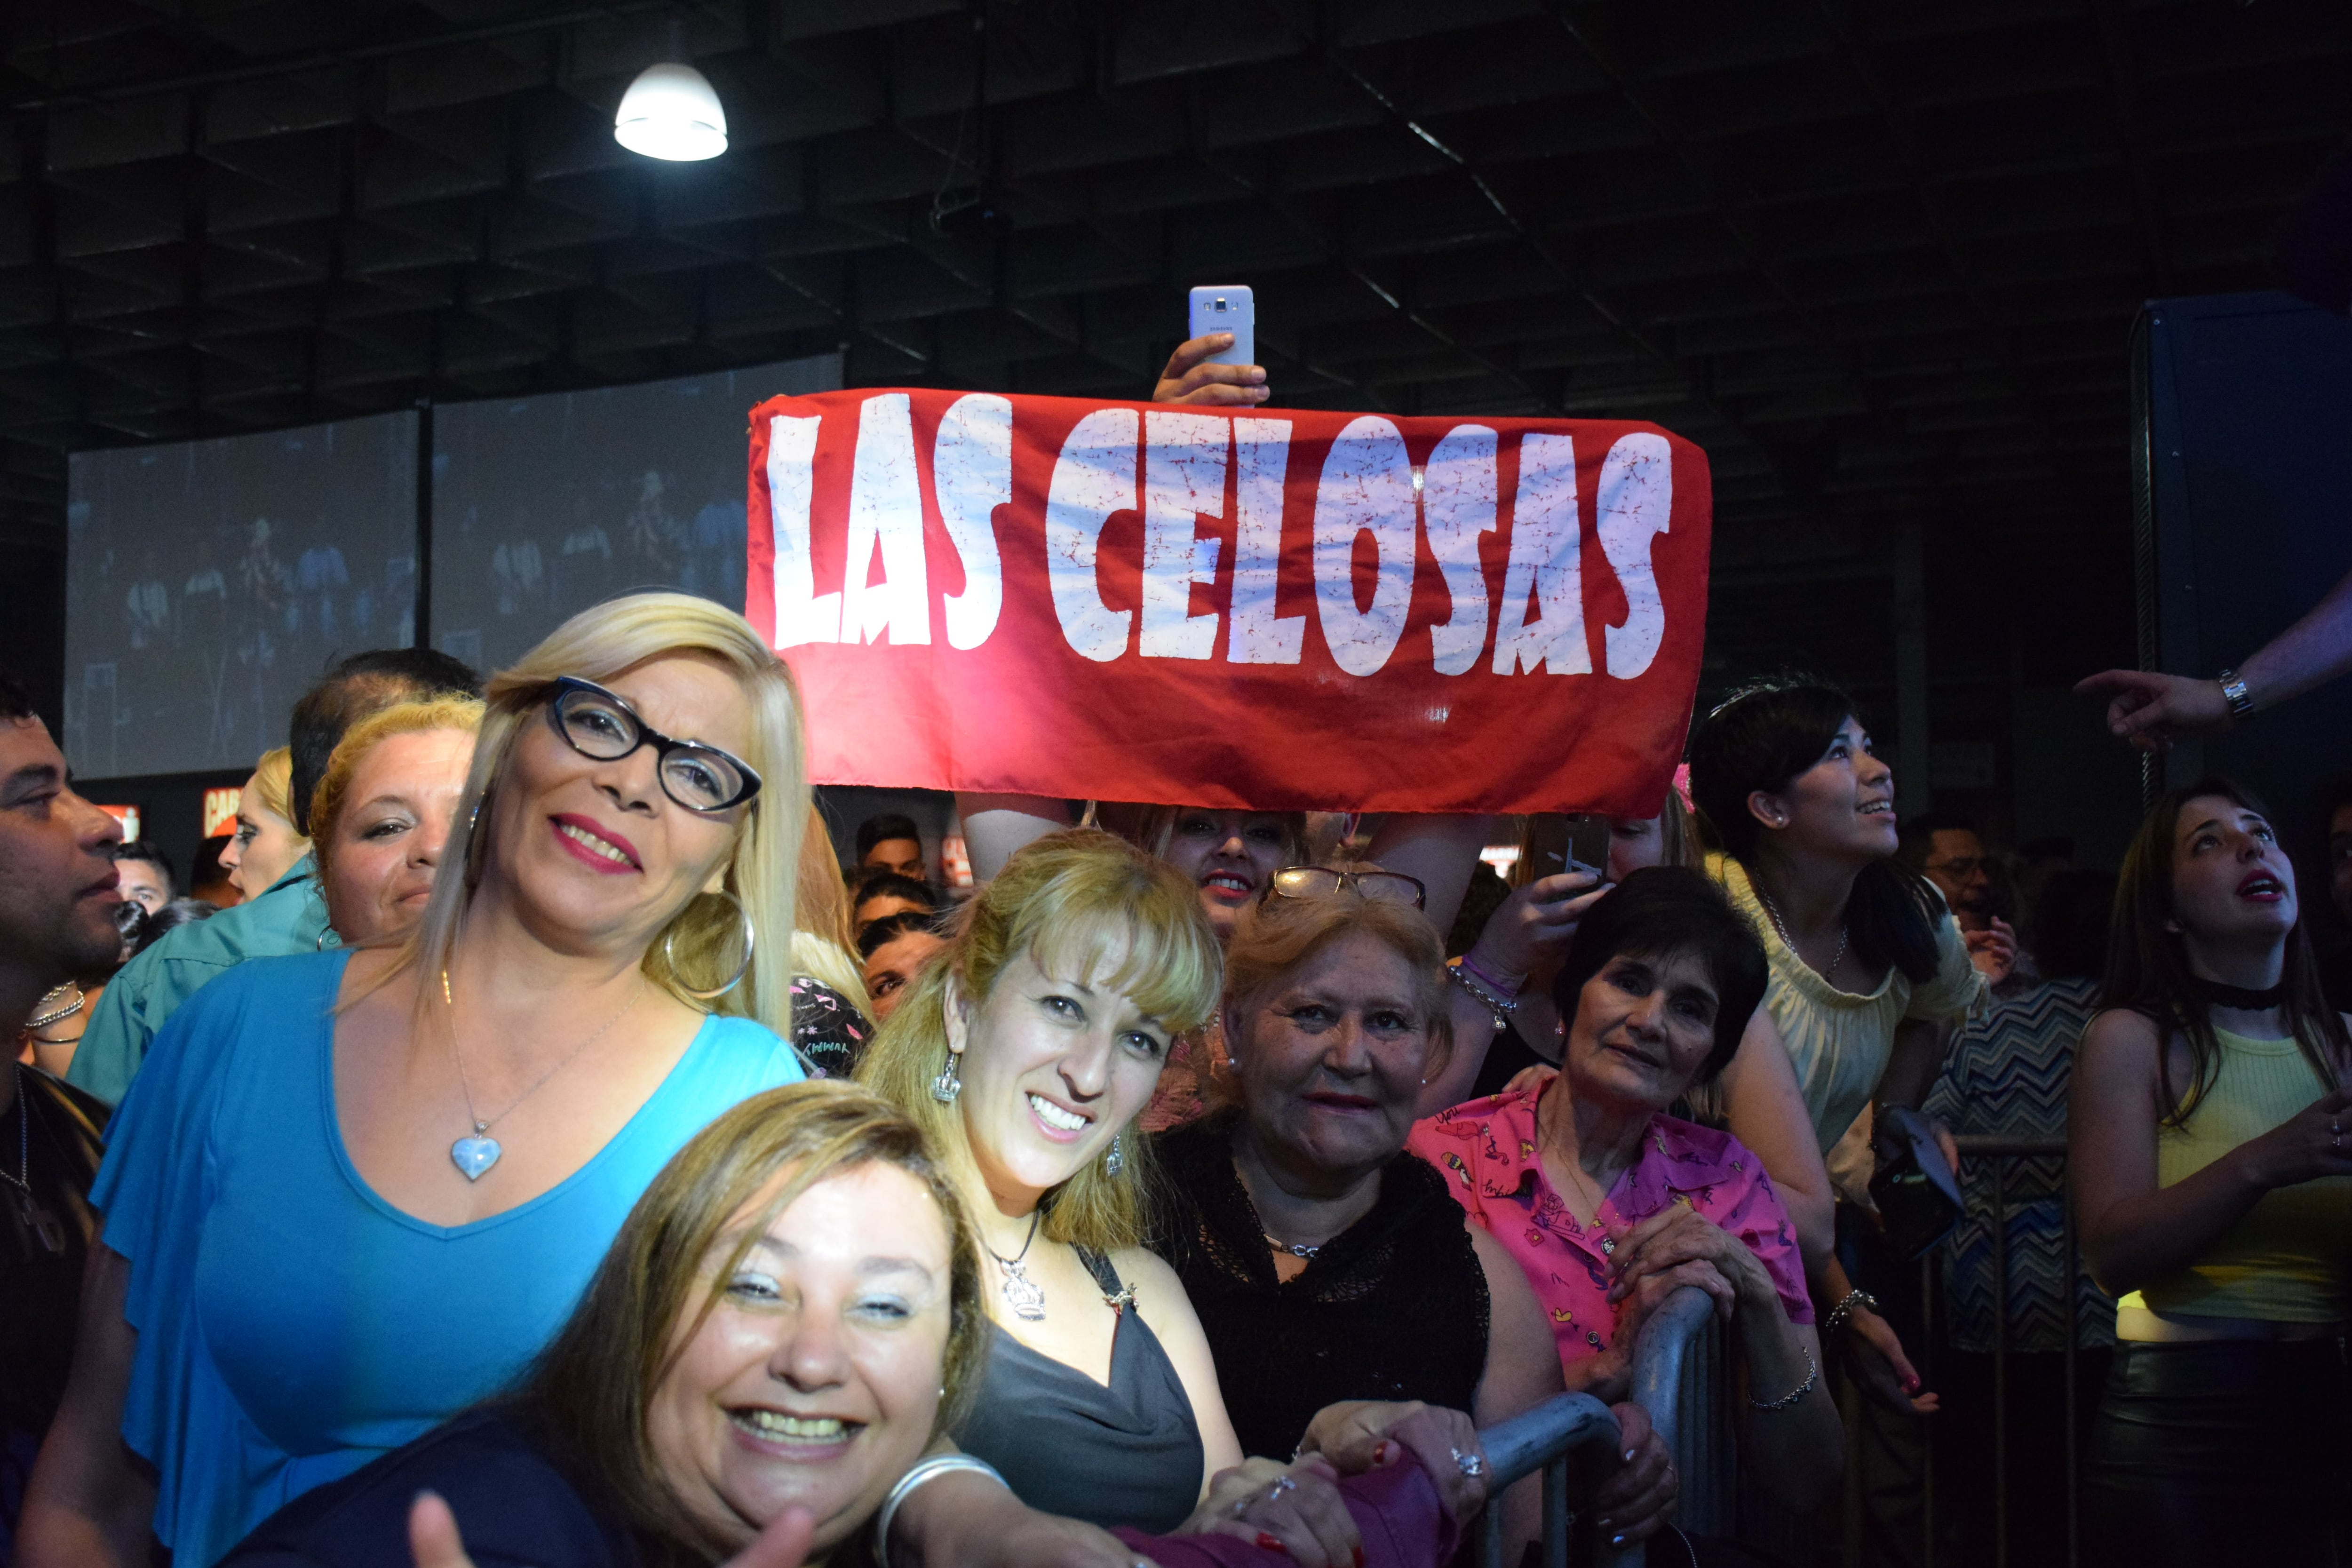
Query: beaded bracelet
{"type": "Point", "coordinates": [1508, 990]}
{"type": "Point", "coordinates": [1813, 1375]}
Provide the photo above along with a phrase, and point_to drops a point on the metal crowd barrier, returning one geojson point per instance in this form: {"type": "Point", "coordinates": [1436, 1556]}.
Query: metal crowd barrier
{"type": "Point", "coordinates": [1678, 1367]}
{"type": "Point", "coordinates": [1999, 1152]}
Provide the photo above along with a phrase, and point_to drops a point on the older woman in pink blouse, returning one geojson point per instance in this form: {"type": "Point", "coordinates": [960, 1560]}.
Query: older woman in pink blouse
{"type": "Point", "coordinates": [1610, 1205]}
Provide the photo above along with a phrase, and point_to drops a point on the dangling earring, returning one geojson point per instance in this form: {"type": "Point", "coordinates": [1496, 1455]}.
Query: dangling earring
{"type": "Point", "coordinates": [948, 1085]}
{"type": "Point", "coordinates": [1115, 1161]}
{"type": "Point", "coordinates": [749, 936]}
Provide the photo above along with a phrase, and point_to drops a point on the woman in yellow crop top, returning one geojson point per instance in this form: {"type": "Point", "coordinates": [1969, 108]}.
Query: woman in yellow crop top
{"type": "Point", "coordinates": [2213, 1194]}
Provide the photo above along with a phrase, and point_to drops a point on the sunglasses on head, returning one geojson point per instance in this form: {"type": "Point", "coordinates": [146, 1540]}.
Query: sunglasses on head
{"type": "Point", "coordinates": [600, 724]}
{"type": "Point", "coordinates": [1321, 883]}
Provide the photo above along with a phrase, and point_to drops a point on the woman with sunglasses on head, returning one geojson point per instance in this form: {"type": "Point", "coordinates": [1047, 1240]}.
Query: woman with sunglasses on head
{"type": "Point", "coordinates": [2212, 1161]}
{"type": "Point", "coordinates": [1027, 1050]}
{"type": "Point", "coordinates": [1328, 1267]}
{"type": "Point", "coordinates": [1868, 967]}
{"type": "Point", "coordinates": [353, 1192]}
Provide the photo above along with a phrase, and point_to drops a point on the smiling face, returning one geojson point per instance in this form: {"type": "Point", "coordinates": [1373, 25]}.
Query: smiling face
{"type": "Point", "coordinates": [1231, 855]}
{"type": "Point", "coordinates": [1053, 1068]}
{"type": "Point", "coordinates": [388, 838]}
{"type": "Point", "coordinates": [2232, 886]}
{"type": "Point", "coordinates": [1843, 808]}
{"type": "Point", "coordinates": [263, 848]}
{"type": "Point", "coordinates": [596, 853]}
{"type": "Point", "coordinates": [1643, 1030]}
{"type": "Point", "coordinates": [1332, 1057]}
{"type": "Point", "coordinates": [58, 873]}
{"type": "Point", "coordinates": [815, 1380]}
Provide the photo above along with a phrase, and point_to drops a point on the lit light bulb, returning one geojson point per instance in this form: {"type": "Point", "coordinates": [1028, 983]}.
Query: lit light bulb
{"type": "Point", "coordinates": [671, 113]}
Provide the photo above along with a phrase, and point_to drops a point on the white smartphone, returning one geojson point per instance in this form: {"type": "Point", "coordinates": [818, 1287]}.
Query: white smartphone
{"type": "Point", "coordinates": [1227, 308]}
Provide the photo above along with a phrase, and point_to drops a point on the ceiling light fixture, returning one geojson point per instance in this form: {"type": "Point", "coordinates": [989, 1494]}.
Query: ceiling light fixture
{"type": "Point", "coordinates": [671, 113]}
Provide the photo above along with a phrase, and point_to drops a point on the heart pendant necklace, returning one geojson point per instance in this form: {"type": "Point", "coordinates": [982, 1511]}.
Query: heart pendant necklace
{"type": "Point", "coordinates": [478, 1150]}
{"type": "Point", "coordinates": [1023, 1294]}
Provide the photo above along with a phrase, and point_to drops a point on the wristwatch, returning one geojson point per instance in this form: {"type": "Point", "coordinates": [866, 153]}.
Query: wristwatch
{"type": "Point", "coordinates": [2234, 692]}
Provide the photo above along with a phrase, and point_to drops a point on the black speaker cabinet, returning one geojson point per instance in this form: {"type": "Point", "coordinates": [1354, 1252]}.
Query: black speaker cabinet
{"type": "Point", "coordinates": [2242, 459]}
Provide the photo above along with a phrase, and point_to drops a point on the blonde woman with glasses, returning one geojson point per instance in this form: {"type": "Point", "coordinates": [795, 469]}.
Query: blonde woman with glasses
{"type": "Point", "coordinates": [353, 1192]}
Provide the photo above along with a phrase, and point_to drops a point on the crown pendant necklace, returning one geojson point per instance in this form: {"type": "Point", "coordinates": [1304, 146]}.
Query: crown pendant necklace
{"type": "Point", "coordinates": [1023, 1294]}
{"type": "Point", "coordinates": [475, 1153]}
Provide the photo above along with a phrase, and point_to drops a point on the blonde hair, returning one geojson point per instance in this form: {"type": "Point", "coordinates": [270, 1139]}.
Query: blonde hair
{"type": "Point", "coordinates": [327, 802]}
{"type": "Point", "coordinates": [1155, 829]}
{"type": "Point", "coordinates": [823, 947]}
{"type": "Point", "coordinates": [599, 643]}
{"type": "Point", "coordinates": [273, 783]}
{"type": "Point", "coordinates": [1077, 900]}
{"type": "Point", "coordinates": [589, 1392]}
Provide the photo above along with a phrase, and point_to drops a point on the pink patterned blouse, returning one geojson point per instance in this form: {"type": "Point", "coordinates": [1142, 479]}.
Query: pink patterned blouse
{"type": "Point", "coordinates": [1486, 1148]}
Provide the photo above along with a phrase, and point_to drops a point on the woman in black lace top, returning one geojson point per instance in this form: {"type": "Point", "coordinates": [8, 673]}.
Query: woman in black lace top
{"type": "Point", "coordinates": [1326, 1265]}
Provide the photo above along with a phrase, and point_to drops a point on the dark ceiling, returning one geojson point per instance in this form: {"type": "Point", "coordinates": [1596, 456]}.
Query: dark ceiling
{"type": "Point", "coordinates": [1881, 261]}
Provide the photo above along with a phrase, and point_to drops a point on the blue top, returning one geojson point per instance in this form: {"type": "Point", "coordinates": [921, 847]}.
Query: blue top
{"type": "Point", "coordinates": [288, 917]}
{"type": "Point", "coordinates": [292, 1324]}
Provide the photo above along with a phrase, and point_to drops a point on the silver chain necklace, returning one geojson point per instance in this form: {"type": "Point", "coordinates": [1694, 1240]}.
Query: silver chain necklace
{"type": "Point", "coordinates": [478, 1151]}
{"type": "Point", "coordinates": [1296, 1248]}
{"type": "Point", "coordinates": [1023, 1294]}
{"type": "Point", "coordinates": [1773, 911]}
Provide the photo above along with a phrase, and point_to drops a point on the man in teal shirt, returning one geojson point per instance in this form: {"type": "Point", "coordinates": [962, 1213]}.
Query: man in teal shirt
{"type": "Point", "coordinates": [291, 915]}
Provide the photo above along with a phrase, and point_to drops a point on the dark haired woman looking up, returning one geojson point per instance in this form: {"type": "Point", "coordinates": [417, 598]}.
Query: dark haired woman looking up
{"type": "Point", "coordinates": [2213, 1185]}
{"type": "Point", "coordinates": [1865, 959]}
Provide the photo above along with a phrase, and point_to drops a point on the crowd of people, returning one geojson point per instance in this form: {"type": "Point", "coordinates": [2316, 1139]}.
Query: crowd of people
{"type": "Point", "coordinates": [560, 1155]}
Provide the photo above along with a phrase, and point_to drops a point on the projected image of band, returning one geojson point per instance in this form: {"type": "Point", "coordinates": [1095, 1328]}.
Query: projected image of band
{"type": "Point", "coordinates": [210, 581]}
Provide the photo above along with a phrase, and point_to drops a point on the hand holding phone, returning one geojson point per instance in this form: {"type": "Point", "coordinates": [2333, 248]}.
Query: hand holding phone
{"type": "Point", "coordinates": [1210, 369]}
{"type": "Point", "coordinates": [1578, 841]}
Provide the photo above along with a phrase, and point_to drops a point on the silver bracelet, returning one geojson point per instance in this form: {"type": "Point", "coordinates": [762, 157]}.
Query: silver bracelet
{"type": "Point", "coordinates": [1813, 1375]}
{"type": "Point", "coordinates": [1845, 1309]}
{"type": "Point", "coordinates": [924, 1470]}
{"type": "Point", "coordinates": [1497, 1008]}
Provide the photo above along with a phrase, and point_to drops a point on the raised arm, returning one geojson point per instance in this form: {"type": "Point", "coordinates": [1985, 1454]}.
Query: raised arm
{"type": "Point", "coordinates": [2135, 1232]}
{"type": "Point", "coordinates": [2149, 707]}
{"type": "Point", "coordinates": [996, 825]}
{"type": "Point", "coordinates": [1443, 851]}
{"type": "Point", "coordinates": [90, 1502]}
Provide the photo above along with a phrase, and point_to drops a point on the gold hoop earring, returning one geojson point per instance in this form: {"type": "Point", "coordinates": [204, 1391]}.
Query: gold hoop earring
{"type": "Point", "coordinates": [751, 936]}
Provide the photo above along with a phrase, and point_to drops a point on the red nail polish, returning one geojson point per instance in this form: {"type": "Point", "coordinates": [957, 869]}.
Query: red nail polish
{"type": "Point", "coordinates": [1272, 1543]}
{"type": "Point", "coordinates": [1380, 1452]}
{"type": "Point", "coordinates": [1359, 1557]}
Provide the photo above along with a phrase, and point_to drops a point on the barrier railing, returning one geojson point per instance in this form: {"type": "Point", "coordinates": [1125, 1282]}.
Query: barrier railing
{"type": "Point", "coordinates": [1678, 1378]}
{"type": "Point", "coordinates": [2000, 1154]}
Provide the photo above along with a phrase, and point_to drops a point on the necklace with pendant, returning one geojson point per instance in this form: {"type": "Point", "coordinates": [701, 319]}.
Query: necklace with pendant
{"type": "Point", "coordinates": [1023, 1294]}
{"type": "Point", "coordinates": [478, 1151]}
{"type": "Point", "coordinates": [37, 1217]}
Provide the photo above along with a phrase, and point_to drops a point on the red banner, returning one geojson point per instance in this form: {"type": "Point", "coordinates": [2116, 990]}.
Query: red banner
{"type": "Point", "coordinates": [1271, 609]}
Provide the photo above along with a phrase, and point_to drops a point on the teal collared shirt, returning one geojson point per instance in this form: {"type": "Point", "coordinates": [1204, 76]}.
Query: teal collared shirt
{"type": "Point", "coordinates": [291, 917]}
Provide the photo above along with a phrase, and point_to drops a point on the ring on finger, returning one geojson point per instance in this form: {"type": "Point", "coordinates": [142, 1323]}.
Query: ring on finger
{"type": "Point", "coordinates": [1473, 1465]}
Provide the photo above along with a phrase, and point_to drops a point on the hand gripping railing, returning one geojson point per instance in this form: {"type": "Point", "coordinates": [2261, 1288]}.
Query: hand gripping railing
{"type": "Point", "coordinates": [1677, 1379]}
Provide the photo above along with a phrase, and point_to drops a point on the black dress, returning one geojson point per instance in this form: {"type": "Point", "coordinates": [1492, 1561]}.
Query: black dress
{"type": "Point", "coordinates": [1392, 1308]}
{"type": "Point", "coordinates": [1128, 1454]}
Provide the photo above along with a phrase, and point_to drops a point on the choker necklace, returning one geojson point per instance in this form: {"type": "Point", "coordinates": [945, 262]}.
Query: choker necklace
{"type": "Point", "coordinates": [1023, 1294]}
{"type": "Point", "coordinates": [2217, 995]}
{"type": "Point", "coordinates": [478, 1151]}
